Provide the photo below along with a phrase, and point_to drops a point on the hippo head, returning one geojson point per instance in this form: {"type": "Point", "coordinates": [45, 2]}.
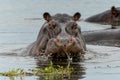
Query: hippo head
{"type": "Point", "coordinates": [60, 36]}
{"type": "Point", "coordinates": [115, 16]}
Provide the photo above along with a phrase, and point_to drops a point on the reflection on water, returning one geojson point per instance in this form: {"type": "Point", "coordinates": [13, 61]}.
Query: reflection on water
{"type": "Point", "coordinates": [77, 73]}
{"type": "Point", "coordinates": [27, 63]}
{"type": "Point", "coordinates": [101, 61]}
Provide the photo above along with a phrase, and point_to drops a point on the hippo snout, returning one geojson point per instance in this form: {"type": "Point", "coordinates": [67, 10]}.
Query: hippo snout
{"type": "Point", "coordinates": [64, 42]}
{"type": "Point", "coordinates": [61, 45]}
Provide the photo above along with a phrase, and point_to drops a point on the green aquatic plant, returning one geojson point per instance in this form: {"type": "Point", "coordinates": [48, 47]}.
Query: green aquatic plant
{"type": "Point", "coordinates": [14, 72]}
{"type": "Point", "coordinates": [51, 71]}
{"type": "Point", "coordinates": [54, 70]}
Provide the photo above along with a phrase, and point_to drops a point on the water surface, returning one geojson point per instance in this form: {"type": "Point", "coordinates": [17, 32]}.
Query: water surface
{"type": "Point", "coordinates": [18, 30]}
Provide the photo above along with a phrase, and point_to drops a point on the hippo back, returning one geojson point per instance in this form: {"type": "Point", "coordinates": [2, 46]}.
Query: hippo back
{"type": "Point", "coordinates": [111, 17]}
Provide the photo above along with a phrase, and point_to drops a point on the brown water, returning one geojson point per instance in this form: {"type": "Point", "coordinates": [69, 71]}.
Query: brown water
{"type": "Point", "coordinates": [21, 20]}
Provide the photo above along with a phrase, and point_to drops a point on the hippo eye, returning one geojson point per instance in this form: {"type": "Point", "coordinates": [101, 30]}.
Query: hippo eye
{"type": "Point", "coordinates": [52, 25]}
{"type": "Point", "coordinates": [74, 26]}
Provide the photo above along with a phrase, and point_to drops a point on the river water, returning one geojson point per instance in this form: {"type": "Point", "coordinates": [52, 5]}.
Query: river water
{"type": "Point", "coordinates": [21, 20]}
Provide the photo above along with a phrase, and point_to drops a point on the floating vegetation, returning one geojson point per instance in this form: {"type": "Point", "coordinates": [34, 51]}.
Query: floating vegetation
{"type": "Point", "coordinates": [15, 72]}
{"type": "Point", "coordinates": [49, 71]}
{"type": "Point", "coordinates": [55, 71]}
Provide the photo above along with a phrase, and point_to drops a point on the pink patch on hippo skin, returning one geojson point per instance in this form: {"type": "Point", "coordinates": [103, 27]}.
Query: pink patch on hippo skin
{"type": "Point", "coordinates": [71, 40]}
{"type": "Point", "coordinates": [56, 40]}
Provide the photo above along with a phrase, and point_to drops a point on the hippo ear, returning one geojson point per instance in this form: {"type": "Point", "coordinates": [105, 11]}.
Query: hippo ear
{"type": "Point", "coordinates": [114, 11]}
{"type": "Point", "coordinates": [47, 16]}
{"type": "Point", "coordinates": [76, 16]}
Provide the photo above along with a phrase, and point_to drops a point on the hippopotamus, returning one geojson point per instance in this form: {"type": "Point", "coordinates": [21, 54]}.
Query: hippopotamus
{"type": "Point", "coordinates": [105, 37]}
{"type": "Point", "coordinates": [60, 37]}
{"type": "Point", "coordinates": [111, 17]}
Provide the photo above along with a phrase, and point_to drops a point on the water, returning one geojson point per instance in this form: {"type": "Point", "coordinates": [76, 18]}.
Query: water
{"type": "Point", "coordinates": [18, 30]}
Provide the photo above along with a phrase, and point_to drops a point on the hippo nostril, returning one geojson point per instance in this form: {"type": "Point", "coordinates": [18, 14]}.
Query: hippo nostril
{"type": "Point", "coordinates": [64, 45]}
{"type": "Point", "coordinates": [71, 40]}
{"type": "Point", "coordinates": [57, 40]}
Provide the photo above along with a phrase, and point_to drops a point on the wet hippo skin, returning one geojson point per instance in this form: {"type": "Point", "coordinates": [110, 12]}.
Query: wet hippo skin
{"type": "Point", "coordinates": [59, 36]}
{"type": "Point", "coordinates": [106, 37]}
{"type": "Point", "coordinates": [111, 17]}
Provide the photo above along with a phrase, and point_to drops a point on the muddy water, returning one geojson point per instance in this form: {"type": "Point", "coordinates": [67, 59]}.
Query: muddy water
{"type": "Point", "coordinates": [21, 20]}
